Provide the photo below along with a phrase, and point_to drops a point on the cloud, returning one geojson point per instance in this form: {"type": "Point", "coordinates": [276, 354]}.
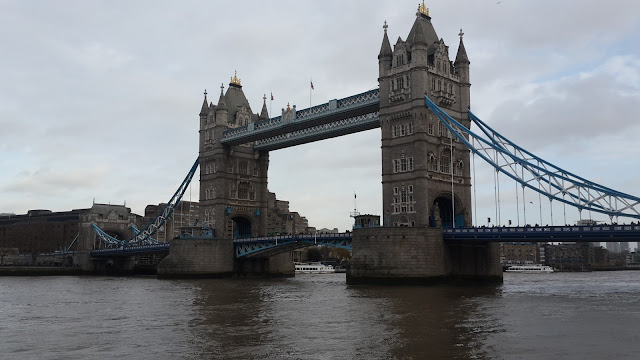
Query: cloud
{"type": "Point", "coordinates": [47, 181]}
{"type": "Point", "coordinates": [95, 96]}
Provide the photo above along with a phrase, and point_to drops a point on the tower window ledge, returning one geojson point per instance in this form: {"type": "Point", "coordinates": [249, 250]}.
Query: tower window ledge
{"type": "Point", "coordinates": [444, 98]}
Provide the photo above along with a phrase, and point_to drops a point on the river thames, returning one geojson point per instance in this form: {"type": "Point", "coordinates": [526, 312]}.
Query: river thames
{"type": "Point", "coordinates": [547, 316]}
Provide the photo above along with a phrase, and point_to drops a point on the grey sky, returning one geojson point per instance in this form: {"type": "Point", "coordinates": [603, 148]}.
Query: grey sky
{"type": "Point", "coordinates": [101, 98]}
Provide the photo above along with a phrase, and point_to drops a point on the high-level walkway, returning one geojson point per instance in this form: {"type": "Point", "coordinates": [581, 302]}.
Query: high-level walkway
{"type": "Point", "coordinates": [335, 118]}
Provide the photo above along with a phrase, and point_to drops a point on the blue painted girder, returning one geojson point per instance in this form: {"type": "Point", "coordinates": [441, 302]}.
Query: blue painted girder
{"type": "Point", "coordinates": [126, 251]}
{"type": "Point", "coordinates": [537, 174]}
{"type": "Point", "coordinates": [360, 109]}
{"type": "Point", "coordinates": [273, 245]}
{"type": "Point", "coordinates": [599, 233]}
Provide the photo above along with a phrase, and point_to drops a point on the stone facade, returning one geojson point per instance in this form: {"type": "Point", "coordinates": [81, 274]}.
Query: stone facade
{"type": "Point", "coordinates": [233, 180]}
{"type": "Point", "coordinates": [418, 256]}
{"type": "Point", "coordinates": [47, 231]}
{"type": "Point", "coordinates": [420, 165]}
{"type": "Point", "coordinates": [520, 253]}
{"type": "Point", "coordinates": [186, 213]}
{"type": "Point", "coordinates": [197, 258]}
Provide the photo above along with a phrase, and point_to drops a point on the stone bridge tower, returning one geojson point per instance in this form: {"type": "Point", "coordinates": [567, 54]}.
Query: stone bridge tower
{"type": "Point", "coordinates": [233, 179]}
{"type": "Point", "coordinates": [421, 166]}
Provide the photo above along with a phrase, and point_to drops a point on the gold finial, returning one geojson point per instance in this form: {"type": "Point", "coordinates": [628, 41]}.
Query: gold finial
{"type": "Point", "coordinates": [422, 9]}
{"type": "Point", "coordinates": [235, 80]}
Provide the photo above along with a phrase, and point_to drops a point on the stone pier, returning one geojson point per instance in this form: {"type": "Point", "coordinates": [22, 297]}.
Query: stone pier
{"type": "Point", "coordinates": [419, 256]}
{"type": "Point", "coordinates": [214, 258]}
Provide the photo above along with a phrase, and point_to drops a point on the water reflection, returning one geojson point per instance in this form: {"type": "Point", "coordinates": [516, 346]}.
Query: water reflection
{"type": "Point", "coordinates": [320, 317]}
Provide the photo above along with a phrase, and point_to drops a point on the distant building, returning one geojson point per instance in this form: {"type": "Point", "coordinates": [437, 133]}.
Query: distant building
{"type": "Point", "coordinates": [633, 259]}
{"type": "Point", "coordinates": [618, 247]}
{"type": "Point", "coordinates": [576, 256]}
{"type": "Point", "coordinates": [328, 231]}
{"type": "Point", "coordinates": [280, 220]}
{"type": "Point", "coordinates": [519, 253]}
{"type": "Point", "coordinates": [186, 213]}
{"type": "Point", "coordinates": [47, 231]}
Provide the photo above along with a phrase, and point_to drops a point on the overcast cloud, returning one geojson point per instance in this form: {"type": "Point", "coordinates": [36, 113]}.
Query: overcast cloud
{"type": "Point", "coordinates": [100, 99]}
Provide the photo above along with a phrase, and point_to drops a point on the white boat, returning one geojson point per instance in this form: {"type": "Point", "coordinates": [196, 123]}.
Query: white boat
{"type": "Point", "coordinates": [313, 268]}
{"type": "Point", "coordinates": [530, 269]}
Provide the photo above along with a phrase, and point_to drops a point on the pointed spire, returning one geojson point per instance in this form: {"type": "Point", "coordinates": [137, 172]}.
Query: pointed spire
{"type": "Point", "coordinates": [418, 35]}
{"type": "Point", "coordinates": [264, 114]}
{"type": "Point", "coordinates": [221, 102]}
{"type": "Point", "coordinates": [385, 50]}
{"type": "Point", "coordinates": [461, 57]}
{"type": "Point", "coordinates": [205, 105]}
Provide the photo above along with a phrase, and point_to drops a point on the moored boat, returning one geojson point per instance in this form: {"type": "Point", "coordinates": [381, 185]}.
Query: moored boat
{"type": "Point", "coordinates": [314, 268]}
{"type": "Point", "coordinates": [530, 269]}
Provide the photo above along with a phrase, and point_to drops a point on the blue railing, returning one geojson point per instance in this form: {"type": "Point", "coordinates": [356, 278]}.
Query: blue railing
{"type": "Point", "coordinates": [597, 233]}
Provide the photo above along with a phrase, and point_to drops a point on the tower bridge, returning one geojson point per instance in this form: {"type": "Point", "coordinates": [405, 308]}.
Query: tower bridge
{"type": "Point", "coordinates": [422, 109]}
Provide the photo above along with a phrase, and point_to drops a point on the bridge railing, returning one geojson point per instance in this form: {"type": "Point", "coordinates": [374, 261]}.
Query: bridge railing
{"type": "Point", "coordinates": [549, 229]}
{"type": "Point", "coordinates": [367, 98]}
{"type": "Point", "coordinates": [580, 233]}
{"type": "Point", "coordinates": [124, 250]}
{"type": "Point", "coordinates": [296, 237]}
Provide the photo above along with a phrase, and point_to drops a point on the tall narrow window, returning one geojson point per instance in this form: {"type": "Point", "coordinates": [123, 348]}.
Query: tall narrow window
{"type": "Point", "coordinates": [403, 164]}
{"type": "Point", "coordinates": [444, 163]}
{"type": "Point", "coordinates": [242, 168]}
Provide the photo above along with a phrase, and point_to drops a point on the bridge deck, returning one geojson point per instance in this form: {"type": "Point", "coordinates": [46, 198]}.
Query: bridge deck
{"type": "Point", "coordinates": [600, 233]}
{"type": "Point", "coordinates": [334, 118]}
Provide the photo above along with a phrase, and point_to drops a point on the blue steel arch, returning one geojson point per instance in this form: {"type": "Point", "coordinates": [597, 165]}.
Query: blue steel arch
{"type": "Point", "coordinates": [515, 162]}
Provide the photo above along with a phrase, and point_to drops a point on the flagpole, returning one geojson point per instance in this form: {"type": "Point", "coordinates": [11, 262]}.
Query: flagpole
{"type": "Point", "coordinates": [271, 105]}
{"type": "Point", "coordinates": [310, 89]}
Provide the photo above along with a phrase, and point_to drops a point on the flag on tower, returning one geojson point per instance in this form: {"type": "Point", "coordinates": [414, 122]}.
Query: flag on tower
{"type": "Point", "coordinates": [272, 96]}
{"type": "Point", "coordinates": [312, 88]}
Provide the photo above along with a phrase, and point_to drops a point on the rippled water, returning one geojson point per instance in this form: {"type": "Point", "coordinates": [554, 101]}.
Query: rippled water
{"type": "Point", "coordinates": [552, 316]}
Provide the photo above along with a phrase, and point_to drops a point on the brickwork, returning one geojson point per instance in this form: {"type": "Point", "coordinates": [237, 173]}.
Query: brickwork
{"type": "Point", "coordinates": [276, 266]}
{"type": "Point", "coordinates": [473, 261]}
{"type": "Point", "coordinates": [420, 163]}
{"type": "Point", "coordinates": [405, 255]}
{"type": "Point", "coordinates": [233, 180]}
{"type": "Point", "coordinates": [396, 255]}
{"type": "Point", "coordinates": [198, 258]}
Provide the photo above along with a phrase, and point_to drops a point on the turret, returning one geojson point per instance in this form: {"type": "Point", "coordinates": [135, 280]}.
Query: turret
{"type": "Point", "coordinates": [386, 54]}
{"type": "Point", "coordinates": [462, 70]}
{"type": "Point", "coordinates": [221, 109]}
{"type": "Point", "coordinates": [264, 114]}
{"type": "Point", "coordinates": [204, 111]}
